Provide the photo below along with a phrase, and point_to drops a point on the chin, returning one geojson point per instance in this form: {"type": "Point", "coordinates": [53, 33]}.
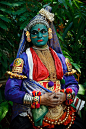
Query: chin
{"type": "Point", "coordinates": [40, 44]}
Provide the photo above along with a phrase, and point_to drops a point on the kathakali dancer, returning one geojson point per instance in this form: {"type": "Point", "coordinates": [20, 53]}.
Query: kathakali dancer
{"type": "Point", "coordinates": [41, 84]}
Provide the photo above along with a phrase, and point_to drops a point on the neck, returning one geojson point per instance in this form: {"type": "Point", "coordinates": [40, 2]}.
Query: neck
{"type": "Point", "coordinates": [40, 48]}
{"type": "Point", "coordinates": [44, 46]}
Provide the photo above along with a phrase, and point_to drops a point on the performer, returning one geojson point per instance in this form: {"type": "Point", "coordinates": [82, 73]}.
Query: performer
{"type": "Point", "coordinates": [41, 84]}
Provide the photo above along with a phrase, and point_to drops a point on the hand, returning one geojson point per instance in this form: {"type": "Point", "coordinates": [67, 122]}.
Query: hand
{"type": "Point", "coordinates": [49, 100]}
{"type": "Point", "coordinates": [61, 97]}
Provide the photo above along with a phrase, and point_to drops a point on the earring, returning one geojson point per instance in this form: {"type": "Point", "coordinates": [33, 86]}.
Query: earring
{"type": "Point", "coordinates": [28, 36]}
{"type": "Point", "coordinates": [50, 33]}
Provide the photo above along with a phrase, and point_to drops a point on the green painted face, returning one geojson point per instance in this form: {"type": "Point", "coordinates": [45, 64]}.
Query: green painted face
{"type": "Point", "coordinates": [39, 35]}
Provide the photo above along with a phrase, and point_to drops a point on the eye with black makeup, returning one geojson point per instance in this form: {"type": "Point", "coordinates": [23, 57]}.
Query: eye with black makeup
{"type": "Point", "coordinates": [43, 31]}
{"type": "Point", "coordinates": [34, 32]}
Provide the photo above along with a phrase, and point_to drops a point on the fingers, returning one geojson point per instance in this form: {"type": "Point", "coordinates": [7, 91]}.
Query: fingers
{"type": "Point", "coordinates": [50, 99]}
{"type": "Point", "coordinates": [52, 95]}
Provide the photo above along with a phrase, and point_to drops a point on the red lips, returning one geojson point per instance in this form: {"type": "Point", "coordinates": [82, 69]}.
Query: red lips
{"type": "Point", "coordinates": [39, 40]}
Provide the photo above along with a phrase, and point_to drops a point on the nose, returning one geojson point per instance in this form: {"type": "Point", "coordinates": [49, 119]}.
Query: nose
{"type": "Point", "coordinates": [39, 35]}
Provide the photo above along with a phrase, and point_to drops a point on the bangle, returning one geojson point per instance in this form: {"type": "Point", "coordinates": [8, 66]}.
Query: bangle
{"type": "Point", "coordinates": [36, 99]}
{"type": "Point", "coordinates": [27, 99]}
{"type": "Point", "coordinates": [70, 95]}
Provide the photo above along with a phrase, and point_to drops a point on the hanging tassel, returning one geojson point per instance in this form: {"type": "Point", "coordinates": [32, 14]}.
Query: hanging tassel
{"type": "Point", "coordinates": [62, 81]}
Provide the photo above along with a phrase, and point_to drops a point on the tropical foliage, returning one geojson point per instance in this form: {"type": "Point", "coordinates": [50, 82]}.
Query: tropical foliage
{"type": "Point", "coordinates": [70, 17]}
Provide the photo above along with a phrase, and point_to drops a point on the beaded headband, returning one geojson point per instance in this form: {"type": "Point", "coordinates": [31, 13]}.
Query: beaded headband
{"type": "Point", "coordinates": [37, 20]}
{"type": "Point", "coordinates": [41, 18]}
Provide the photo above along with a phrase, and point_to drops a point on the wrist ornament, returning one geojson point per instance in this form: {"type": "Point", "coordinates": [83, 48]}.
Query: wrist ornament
{"type": "Point", "coordinates": [70, 95]}
{"type": "Point", "coordinates": [36, 99]}
{"type": "Point", "coordinates": [27, 99]}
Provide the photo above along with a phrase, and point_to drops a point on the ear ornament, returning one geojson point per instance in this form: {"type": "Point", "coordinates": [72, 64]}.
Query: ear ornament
{"type": "Point", "coordinates": [50, 33]}
{"type": "Point", "coordinates": [28, 36]}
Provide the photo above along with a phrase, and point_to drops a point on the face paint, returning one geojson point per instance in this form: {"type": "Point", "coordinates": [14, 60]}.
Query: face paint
{"type": "Point", "coordinates": [39, 35]}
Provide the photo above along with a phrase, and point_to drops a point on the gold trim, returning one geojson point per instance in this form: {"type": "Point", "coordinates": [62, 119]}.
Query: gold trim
{"type": "Point", "coordinates": [69, 65]}
{"type": "Point", "coordinates": [55, 113]}
{"type": "Point", "coordinates": [47, 14]}
{"type": "Point", "coordinates": [15, 75]}
{"type": "Point", "coordinates": [18, 65]}
{"type": "Point", "coordinates": [56, 82]}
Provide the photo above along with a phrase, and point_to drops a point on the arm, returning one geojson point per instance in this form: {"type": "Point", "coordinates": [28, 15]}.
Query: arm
{"type": "Point", "coordinates": [13, 86]}
{"type": "Point", "coordinates": [70, 82]}
{"type": "Point", "coordinates": [13, 92]}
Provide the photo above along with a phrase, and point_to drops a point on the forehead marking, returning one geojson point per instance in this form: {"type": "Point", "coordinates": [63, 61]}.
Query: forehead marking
{"type": "Point", "coordinates": [38, 29]}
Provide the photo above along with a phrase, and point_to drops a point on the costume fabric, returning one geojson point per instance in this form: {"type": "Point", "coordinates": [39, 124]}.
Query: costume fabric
{"type": "Point", "coordinates": [14, 91]}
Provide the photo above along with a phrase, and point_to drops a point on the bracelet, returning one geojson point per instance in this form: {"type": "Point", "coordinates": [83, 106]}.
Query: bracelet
{"type": "Point", "coordinates": [70, 95]}
{"type": "Point", "coordinates": [36, 99]}
{"type": "Point", "coordinates": [27, 99]}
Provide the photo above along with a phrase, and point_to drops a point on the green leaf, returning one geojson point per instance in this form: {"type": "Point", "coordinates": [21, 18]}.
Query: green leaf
{"type": "Point", "coordinates": [81, 90]}
{"type": "Point", "coordinates": [11, 103]}
{"type": "Point", "coordinates": [59, 36]}
{"type": "Point", "coordinates": [67, 29]}
{"type": "Point", "coordinates": [77, 67]}
{"type": "Point", "coordinates": [4, 18]}
{"type": "Point", "coordinates": [24, 24]}
{"type": "Point", "coordinates": [6, 3]}
{"type": "Point", "coordinates": [6, 11]}
{"type": "Point", "coordinates": [20, 11]}
{"type": "Point", "coordinates": [64, 2]}
{"type": "Point", "coordinates": [17, 4]}
{"type": "Point", "coordinates": [4, 62]}
{"type": "Point", "coordinates": [2, 98]}
{"type": "Point", "coordinates": [66, 53]}
{"type": "Point", "coordinates": [3, 109]}
{"type": "Point", "coordinates": [81, 28]}
{"type": "Point", "coordinates": [75, 2]}
{"type": "Point", "coordinates": [24, 16]}
{"type": "Point", "coordinates": [46, 5]}
{"type": "Point", "coordinates": [3, 26]}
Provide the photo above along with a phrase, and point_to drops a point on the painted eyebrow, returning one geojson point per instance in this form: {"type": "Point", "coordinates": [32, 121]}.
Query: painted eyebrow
{"type": "Point", "coordinates": [33, 31]}
{"type": "Point", "coordinates": [40, 30]}
{"type": "Point", "coordinates": [43, 29]}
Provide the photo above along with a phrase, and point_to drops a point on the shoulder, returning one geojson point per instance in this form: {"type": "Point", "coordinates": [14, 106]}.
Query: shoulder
{"type": "Point", "coordinates": [62, 58]}
{"type": "Point", "coordinates": [22, 60]}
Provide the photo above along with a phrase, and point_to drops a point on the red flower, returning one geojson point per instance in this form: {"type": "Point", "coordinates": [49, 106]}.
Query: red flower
{"type": "Point", "coordinates": [68, 90]}
{"type": "Point", "coordinates": [39, 93]}
{"type": "Point", "coordinates": [33, 93]}
{"type": "Point", "coordinates": [37, 105]}
{"type": "Point", "coordinates": [57, 30]}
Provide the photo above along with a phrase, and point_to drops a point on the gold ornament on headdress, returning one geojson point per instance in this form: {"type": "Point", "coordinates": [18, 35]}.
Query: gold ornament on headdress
{"type": "Point", "coordinates": [50, 33]}
{"type": "Point", "coordinates": [28, 36]}
{"type": "Point", "coordinates": [47, 14]}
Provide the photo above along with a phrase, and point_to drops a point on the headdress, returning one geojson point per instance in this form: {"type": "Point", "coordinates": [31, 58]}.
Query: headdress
{"type": "Point", "coordinates": [36, 20]}
{"type": "Point", "coordinates": [45, 17]}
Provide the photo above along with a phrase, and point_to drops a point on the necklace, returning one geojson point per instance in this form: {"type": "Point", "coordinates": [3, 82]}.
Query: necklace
{"type": "Point", "coordinates": [41, 49]}
{"type": "Point", "coordinates": [47, 59]}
